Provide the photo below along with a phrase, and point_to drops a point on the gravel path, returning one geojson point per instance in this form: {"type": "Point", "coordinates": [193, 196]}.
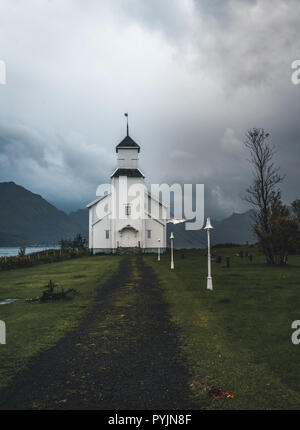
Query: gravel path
{"type": "Point", "coordinates": [124, 355]}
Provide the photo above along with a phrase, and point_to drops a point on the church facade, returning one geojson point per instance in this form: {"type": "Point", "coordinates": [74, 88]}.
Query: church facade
{"type": "Point", "coordinates": [127, 215]}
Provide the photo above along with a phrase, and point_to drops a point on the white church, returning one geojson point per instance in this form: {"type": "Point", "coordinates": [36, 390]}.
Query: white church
{"type": "Point", "coordinates": [127, 216]}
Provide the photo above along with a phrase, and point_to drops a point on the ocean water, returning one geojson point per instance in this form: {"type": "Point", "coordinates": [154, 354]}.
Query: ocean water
{"type": "Point", "coordinates": [13, 251]}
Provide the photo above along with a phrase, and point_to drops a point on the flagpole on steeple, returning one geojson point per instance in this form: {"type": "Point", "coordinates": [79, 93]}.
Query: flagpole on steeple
{"type": "Point", "coordinates": [126, 114]}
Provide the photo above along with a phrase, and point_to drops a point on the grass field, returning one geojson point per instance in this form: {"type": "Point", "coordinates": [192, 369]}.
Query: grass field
{"type": "Point", "coordinates": [237, 337]}
{"type": "Point", "coordinates": [33, 327]}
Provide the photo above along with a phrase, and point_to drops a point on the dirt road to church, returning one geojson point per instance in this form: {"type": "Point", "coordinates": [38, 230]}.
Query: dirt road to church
{"type": "Point", "coordinates": [124, 355]}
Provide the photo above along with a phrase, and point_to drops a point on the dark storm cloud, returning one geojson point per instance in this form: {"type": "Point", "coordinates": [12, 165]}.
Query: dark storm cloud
{"type": "Point", "coordinates": [194, 76]}
{"type": "Point", "coordinates": [63, 166]}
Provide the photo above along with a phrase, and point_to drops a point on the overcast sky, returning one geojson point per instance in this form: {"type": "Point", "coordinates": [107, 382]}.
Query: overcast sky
{"type": "Point", "coordinates": [194, 76]}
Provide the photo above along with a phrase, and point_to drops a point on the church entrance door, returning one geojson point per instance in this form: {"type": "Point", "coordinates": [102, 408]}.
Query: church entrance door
{"type": "Point", "coordinates": [128, 238]}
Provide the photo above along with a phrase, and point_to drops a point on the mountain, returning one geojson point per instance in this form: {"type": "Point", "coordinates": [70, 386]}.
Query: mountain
{"type": "Point", "coordinates": [185, 238]}
{"type": "Point", "coordinates": [81, 218]}
{"type": "Point", "coordinates": [26, 218]}
{"type": "Point", "coordinates": [234, 229]}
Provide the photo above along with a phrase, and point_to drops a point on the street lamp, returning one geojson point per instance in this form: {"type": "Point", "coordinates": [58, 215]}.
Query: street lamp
{"type": "Point", "coordinates": [158, 250]}
{"type": "Point", "coordinates": [209, 227]}
{"type": "Point", "coordinates": [172, 250]}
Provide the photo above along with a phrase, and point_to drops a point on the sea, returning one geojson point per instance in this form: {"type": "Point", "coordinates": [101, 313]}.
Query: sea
{"type": "Point", "coordinates": [13, 251]}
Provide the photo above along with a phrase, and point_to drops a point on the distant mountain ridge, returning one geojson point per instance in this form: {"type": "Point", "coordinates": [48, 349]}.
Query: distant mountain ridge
{"type": "Point", "coordinates": [27, 218]}
{"type": "Point", "coordinates": [81, 218]}
{"type": "Point", "coordinates": [234, 229]}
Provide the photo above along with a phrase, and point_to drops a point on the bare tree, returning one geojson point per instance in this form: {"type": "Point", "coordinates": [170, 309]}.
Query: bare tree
{"type": "Point", "coordinates": [264, 191]}
{"type": "Point", "coordinates": [296, 208]}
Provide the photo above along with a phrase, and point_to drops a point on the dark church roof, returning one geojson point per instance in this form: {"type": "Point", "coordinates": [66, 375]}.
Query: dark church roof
{"type": "Point", "coordinates": [130, 173]}
{"type": "Point", "coordinates": [127, 142]}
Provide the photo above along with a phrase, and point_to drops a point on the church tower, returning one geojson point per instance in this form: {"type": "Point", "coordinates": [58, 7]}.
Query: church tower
{"type": "Point", "coordinates": [128, 156]}
{"type": "Point", "coordinates": [128, 231]}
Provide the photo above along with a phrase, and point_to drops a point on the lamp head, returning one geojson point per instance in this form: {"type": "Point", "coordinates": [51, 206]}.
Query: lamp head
{"type": "Point", "coordinates": [172, 236]}
{"type": "Point", "coordinates": [208, 225]}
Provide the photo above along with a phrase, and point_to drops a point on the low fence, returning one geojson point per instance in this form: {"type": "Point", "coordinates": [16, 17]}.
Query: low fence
{"type": "Point", "coordinates": [41, 257]}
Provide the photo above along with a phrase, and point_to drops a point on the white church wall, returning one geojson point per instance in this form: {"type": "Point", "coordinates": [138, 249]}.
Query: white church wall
{"type": "Point", "coordinates": [157, 232]}
{"type": "Point", "coordinates": [99, 234]}
{"type": "Point", "coordinates": [100, 223]}
{"type": "Point", "coordinates": [101, 209]}
{"type": "Point", "coordinates": [90, 228]}
{"type": "Point", "coordinates": [122, 186]}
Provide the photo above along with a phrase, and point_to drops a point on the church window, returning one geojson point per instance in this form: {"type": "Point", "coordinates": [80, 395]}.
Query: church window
{"type": "Point", "coordinates": [107, 234]}
{"type": "Point", "coordinates": [127, 210]}
{"type": "Point", "coordinates": [149, 234]}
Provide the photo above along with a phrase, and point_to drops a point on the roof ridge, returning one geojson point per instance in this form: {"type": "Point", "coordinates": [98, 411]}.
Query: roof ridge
{"type": "Point", "coordinates": [127, 142]}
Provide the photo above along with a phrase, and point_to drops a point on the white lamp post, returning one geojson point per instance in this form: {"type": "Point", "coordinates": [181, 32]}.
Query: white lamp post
{"type": "Point", "coordinates": [209, 227]}
{"type": "Point", "coordinates": [172, 250]}
{"type": "Point", "coordinates": [158, 250]}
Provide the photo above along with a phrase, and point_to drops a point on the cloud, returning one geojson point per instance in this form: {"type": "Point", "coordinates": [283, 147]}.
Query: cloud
{"type": "Point", "coordinates": [181, 155]}
{"type": "Point", "coordinates": [63, 167]}
{"type": "Point", "coordinates": [230, 142]}
{"type": "Point", "coordinates": [193, 75]}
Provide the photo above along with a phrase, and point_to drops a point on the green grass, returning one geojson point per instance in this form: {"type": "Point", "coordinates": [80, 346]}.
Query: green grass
{"type": "Point", "coordinates": [238, 336]}
{"type": "Point", "coordinates": [34, 327]}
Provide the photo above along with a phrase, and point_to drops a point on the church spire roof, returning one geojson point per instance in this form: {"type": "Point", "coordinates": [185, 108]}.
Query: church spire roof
{"type": "Point", "coordinates": [127, 142]}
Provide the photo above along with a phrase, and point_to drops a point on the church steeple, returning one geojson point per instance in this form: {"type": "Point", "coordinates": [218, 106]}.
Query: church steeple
{"type": "Point", "coordinates": [128, 156]}
{"type": "Point", "coordinates": [127, 142]}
